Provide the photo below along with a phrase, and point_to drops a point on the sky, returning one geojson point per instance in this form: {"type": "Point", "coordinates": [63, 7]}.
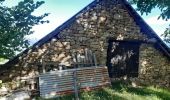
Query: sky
{"type": "Point", "coordinates": [61, 10]}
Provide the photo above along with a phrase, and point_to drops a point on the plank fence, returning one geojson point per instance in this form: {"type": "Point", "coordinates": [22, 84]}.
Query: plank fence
{"type": "Point", "coordinates": [57, 83]}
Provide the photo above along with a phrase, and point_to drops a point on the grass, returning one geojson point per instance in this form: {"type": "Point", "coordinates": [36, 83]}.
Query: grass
{"type": "Point", "coordinates": [123, 91]}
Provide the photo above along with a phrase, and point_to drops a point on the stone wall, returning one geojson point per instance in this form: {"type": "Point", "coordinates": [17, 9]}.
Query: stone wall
{"type": "Point", "coordinates": [91, 30]}
{"type": "Point", "coordinates": [154, 67]}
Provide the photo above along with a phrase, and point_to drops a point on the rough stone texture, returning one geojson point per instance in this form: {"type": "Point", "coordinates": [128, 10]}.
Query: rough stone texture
{"type": "Point", "coordinates": [90, 30]}
{"type": "Point", "coordinates": [154, 68]}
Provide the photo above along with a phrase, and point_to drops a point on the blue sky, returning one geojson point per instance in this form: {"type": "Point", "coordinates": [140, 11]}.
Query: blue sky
{"type": "Point", "coordinates": [62, 10]}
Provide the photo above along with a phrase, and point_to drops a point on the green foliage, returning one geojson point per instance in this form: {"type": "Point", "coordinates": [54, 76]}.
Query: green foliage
{"type": "Point", "coordinates": [2, 59]}
{"type": "Point", "coordinates": [146, 6]}
{"type": "Point", "coordinates": [15, 23]}
{"type": "Point", "coordinates": [166, 35]}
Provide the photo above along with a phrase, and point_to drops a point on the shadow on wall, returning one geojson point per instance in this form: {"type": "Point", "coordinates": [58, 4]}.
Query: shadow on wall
{"type": "Point", "coordinates": [49, 57]}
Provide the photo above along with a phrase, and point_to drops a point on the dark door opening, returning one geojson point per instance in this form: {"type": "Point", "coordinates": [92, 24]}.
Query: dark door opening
{"type": "Point", "coordinates": [123, 58]}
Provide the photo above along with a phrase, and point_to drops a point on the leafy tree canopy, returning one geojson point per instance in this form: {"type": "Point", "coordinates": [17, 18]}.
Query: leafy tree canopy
{"type": "Point", "coordinates": [146, 6]}
{"type": "Point", "coordinates": [15, 23]}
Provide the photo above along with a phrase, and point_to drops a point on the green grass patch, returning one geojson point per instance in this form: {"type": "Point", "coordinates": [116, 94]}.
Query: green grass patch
{"type": "Point", "coordinates": [122, 91]}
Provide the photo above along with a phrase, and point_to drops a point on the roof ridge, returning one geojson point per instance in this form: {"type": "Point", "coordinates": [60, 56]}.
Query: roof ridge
{"type": "Point", "coordinates": [129, 8]}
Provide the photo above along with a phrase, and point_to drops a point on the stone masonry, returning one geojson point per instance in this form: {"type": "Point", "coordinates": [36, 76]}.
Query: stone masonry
{"type": "Point", "coordinates": [91, 30]}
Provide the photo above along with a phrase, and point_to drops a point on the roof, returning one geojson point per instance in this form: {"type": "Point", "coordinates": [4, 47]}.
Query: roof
{"type": "Point", "coordinates": [145, 28]}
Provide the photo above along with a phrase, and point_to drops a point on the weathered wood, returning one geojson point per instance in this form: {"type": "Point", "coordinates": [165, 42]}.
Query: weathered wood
{"type": "Point", "coordinates": [75, 85]}
{"type": "Point", "coordinates": [43, 66]}
{"type": "Point", "coordinates": [61, 82]}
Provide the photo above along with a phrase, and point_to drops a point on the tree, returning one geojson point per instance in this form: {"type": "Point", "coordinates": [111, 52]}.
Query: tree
{"type": "Point", "coordinates": [146, 6]}
{"type": "Point", "coordinates": [167, 35]}
{"type": "Point", "coordinates": [15, 23]}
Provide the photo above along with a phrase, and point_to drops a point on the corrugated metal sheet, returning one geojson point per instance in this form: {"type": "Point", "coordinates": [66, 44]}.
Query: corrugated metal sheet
{"type": "Point", "coordinates": [62, 82]}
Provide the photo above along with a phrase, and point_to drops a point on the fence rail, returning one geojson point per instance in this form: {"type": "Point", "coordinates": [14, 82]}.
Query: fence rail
{"type": "Point", "coordinates": [62, 82]}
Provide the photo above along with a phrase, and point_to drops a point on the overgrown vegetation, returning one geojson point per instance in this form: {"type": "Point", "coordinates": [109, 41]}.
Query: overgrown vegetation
{"type": "Point", "coordinates": [123, 91]}
{"type": "Point", "coordinates": [16, 23]}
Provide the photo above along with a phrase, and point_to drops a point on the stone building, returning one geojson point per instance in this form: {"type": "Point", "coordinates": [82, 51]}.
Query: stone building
{"type": "Point", "coordinates": [112, 31]}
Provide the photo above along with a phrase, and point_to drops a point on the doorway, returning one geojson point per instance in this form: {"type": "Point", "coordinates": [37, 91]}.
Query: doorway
{"type": "Point", "coordinates": [123, 58]}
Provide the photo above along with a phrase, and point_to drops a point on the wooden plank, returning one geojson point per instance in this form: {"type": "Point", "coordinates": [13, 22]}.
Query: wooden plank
{"type": "Point", "coordinates": [56, 85]}
{"type": "Point", "coordinates": [94, 74]}
{"type": "Point", "coordinates": [83, 68]}
{"type": "Point", "coordinates": [62, 82]}
{"type": "Point", "coordinates": [54, 89]}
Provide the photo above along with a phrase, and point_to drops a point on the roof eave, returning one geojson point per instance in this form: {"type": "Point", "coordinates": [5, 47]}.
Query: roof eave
{"type": "Point", "coordinates": [146, 28]}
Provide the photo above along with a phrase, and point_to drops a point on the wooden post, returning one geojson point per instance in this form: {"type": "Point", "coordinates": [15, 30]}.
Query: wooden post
{"type": "Point", "coordinates": [86, 57]}
{"type": "Point", "coordinates": [75, 85]}
{"type": "Point", "coordinates": [74, 59]}
{"type": "Point", "coordinates": [43, 65]}
{"type": "Point", "coordinates": [78, 59]}
{"type": "Point", "coordinates": [90, 58]}
{"type": "Point", "coordinates": [94, 58]}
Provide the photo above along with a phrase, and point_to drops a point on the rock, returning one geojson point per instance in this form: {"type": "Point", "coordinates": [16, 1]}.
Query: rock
{"type": "Point", "coordinates": [19, 95]}
{"type": "Point", "coordinates": [3, 90]}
